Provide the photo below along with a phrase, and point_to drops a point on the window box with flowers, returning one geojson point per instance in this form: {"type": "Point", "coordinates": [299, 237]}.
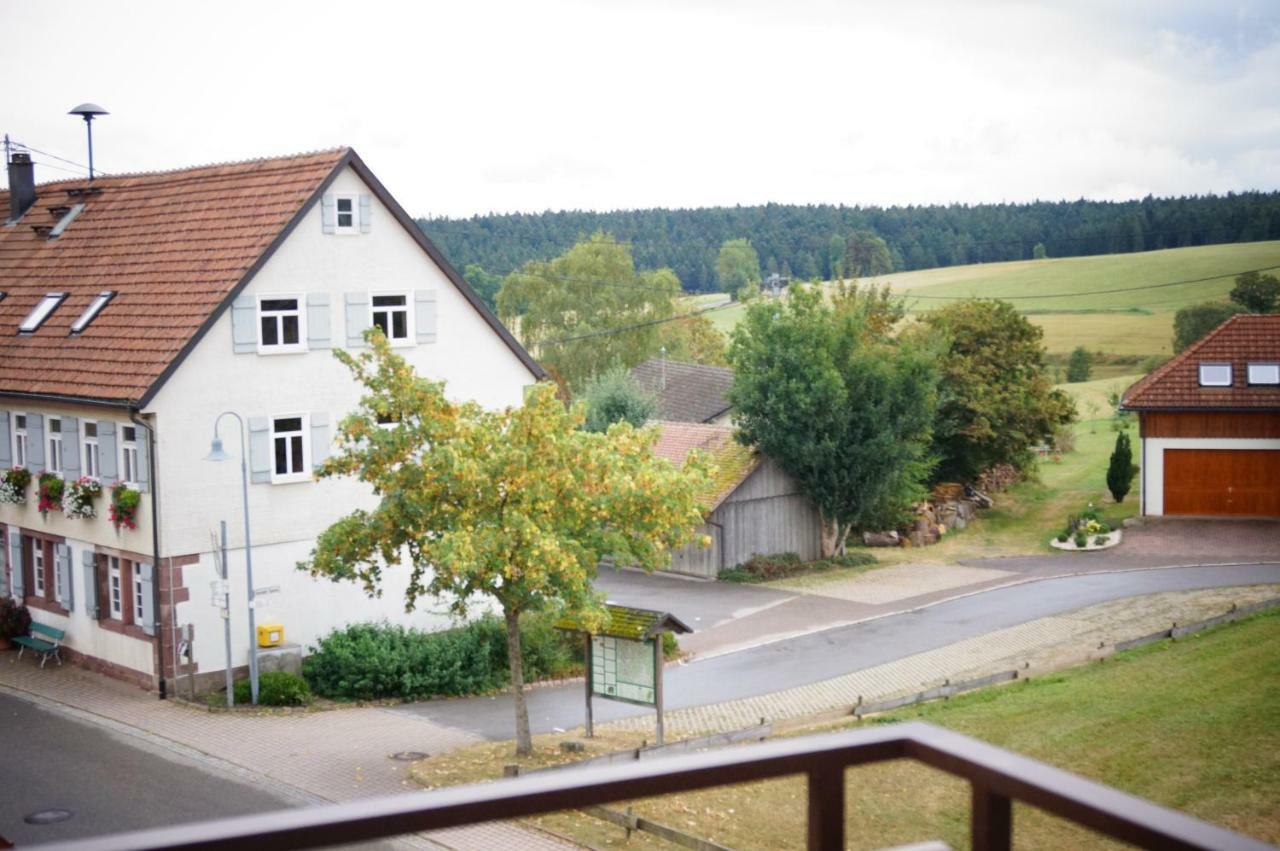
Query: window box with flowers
{"type": "Point", "coordinates": [49, 487]}
{"type": "Point", "coordinates": [13, 485]}
{"type": "Point", "coordinates": [124, 506]}
{"type": "Point", "coordinates": [78, 497]}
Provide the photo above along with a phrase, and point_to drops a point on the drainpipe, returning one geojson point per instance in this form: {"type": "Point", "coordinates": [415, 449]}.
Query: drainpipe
{"type": "Point", "coordinates": [155, 547]}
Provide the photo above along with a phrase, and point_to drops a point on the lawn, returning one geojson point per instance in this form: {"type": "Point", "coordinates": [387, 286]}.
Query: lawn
{"type": "Point", "coordinates": [1192, 724]}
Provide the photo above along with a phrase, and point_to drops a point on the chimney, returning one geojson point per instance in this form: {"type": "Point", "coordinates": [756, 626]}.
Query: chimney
{"type": "Point", "coordinates": [22, 185]}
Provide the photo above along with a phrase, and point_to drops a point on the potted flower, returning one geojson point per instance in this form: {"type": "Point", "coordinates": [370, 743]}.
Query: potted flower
{"type": "Point", "coordinates": [50, 487]}
{"type": "Point", "coordinates": [124, 506]}
{"type": "Point", "coordinates": [13, 485]}
{"type": "Point", "coordinates": [15, 621]}
{"type": "Point", "coordinates": [78, 497]}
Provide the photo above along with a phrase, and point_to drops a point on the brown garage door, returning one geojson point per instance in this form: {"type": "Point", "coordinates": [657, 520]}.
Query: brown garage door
{"type": "Point", "coordinates": [1235, 482]}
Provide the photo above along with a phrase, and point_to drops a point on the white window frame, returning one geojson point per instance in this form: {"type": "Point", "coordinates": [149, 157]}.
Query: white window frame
{"type": "Point", "coordinates": [304, 435]}
{"type": "Point", "coordinates": [21, 449]}
{"type": "Point", "coordinates": [115, 588]}
{"type": "Point", "coordinates": [53, 461]}
{"type": "Point", "coordinates": [408, 339]}
{"type": "Point", "coordinates": [41, 312]}
{"type": "Point", "coordinates": [129, 456]}
{"type": "Point", "coordinates": [92, 451]}
{"type": "Point", "coordinates": [91, 312]}
{"type": "Point", "coordinates": [135, 571]}
{"type": "Point", "coordinates": [37, 566]}
{"type": "Point", "coordinates": [1230, 375]}
{"type": "Point", "coordinates": [300, 311]}
{"type": "Point", "coordinates": [352, 229]}
{"type": "Point", "coordinates": [1264, 374]}
{"type": "Point", "coordinates": [58, 596]}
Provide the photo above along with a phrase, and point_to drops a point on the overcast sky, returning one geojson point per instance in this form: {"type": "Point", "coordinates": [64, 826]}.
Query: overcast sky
{"type": "Point", "coordinates": [472, 107]}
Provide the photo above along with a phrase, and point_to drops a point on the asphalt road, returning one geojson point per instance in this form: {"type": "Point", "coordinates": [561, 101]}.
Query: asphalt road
{"type": "Point", "coordinates": [819, 656]}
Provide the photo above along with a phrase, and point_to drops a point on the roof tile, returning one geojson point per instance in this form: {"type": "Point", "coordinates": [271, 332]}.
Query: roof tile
{"type": "Point", "coordinates": [687, 392]}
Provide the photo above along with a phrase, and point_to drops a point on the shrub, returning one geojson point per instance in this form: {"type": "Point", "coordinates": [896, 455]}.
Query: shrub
{"type": "Point", "coordinates": [1082, 540]}
{"type": "Point", "coordinates": [615, 396]}
{"type": "Point", "coordinates": [277, 688]}
{"type": "Point", "coordinates": [1120, 469]}
{"type": "Point", "coordinates": [1063, 538]}
{"type": "Point", "coordinates": [670, 646]}
{"type": "Point", "coordinates": [780, 566]}
{"type": "Point", "coordinates": [1079, 365]}
{"type": "Point", "coordinates": [1064, 439]}
{"type": "Point", "coordinates": [379, 660]}
{"type": "Point", "coordinates": [15, 620]}
{"type": "Point", "coordinates": [1100, 540]}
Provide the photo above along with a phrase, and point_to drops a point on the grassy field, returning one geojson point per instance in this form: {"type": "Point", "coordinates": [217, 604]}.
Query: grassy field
{"type": "Point", "coordinates": [1193, 724]}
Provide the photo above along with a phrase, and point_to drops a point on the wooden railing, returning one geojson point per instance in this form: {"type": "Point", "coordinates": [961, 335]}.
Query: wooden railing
{"type": "Point", "coordinates": [997, 777]}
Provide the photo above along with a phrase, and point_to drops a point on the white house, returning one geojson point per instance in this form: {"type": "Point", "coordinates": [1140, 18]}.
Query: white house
{"type": "Point", "coordinates": [134, 310]}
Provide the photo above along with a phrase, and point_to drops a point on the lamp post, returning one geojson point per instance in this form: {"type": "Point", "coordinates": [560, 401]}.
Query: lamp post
{"type": "Point", "coordinates": [216, 453]}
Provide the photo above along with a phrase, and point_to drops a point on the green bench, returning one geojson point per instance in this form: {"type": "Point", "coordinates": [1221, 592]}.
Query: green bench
{"type": "Point", "coordinates": [37, 642]}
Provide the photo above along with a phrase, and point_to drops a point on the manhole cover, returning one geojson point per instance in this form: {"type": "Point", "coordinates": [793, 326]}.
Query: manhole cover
{"type": "Point", "coordinates": [47, 816]}
{"type": "Point", "coordinates": [409, 756]}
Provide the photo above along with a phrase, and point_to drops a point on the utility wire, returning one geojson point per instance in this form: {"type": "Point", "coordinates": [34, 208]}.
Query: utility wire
{"type": "Point", "coordinates": [27, 147]}
{"type": "Point", "coordinates": [908, 294]}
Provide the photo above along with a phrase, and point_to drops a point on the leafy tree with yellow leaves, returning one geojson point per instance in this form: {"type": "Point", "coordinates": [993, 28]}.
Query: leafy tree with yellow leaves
{"type": "Point", "coordinates": [518, 505]}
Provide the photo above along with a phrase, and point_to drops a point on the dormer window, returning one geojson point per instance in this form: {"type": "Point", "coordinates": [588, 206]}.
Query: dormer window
{"type": "Point", "coordinates": [1264, 374]}
{"type": "Point", "coordinates": [92, 311]}
{"type": "Point", "coordinates": [1215, 375]}
{"type": "Point", "coordinates": [345, 210]}
{"type": "Point", "coordinates": [41, 312]}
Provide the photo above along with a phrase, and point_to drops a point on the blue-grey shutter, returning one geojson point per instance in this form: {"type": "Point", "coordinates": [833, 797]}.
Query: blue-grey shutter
{"type": "Point", "coordinates": [109, 463]}
{"type": "Point", "coordinates": [90, 563]}
{"type": "Point", "coordinates": [62, 564]}
{"type": "Point", "coordinates": [244, 325]}
{"type": "Point", "coordinates": [366, 212]}
{"type": "Point", "coordinates": [70, 448]}
{"type": "Point", "coordinates": [146, 575]}
{"type": "Point", "coordinates": [259, 449]}
{"type": "Point", "coordinates": [15, 566]}
{"type": "Point", "coordinates": [318, 330]}
{"type": "Point", "coordinates": [319, 438]}
{"type": "Point", "coordinates": [424, 319]}
{"type": "Point", "coordinates": [6, 442]}
{"type": "Point", "coordinates": [144, 458]}
{"type": "Point", "coordinates": [328, 217]}
{"type": "Point", "coordinates": [35, 444]}
{"type": "Point", "coordinates": [358, 319]}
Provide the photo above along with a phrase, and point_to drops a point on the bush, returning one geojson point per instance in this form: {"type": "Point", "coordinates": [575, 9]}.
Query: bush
{"type": "Point", "coordinates": [15, 620]}
{"type": "Point", "coordinates": [782, 565]}
{"type": "Point", "coordinates": [1082, 540]}
{"type": "Point", "coordinates": [1120, 469]}
{"type": "Point", "coordinates": [615, 396]}
{"type": "Point", "coordinates": [1063, 538]}
{"type": "Point", "coordinates": [378, 660]}
{"type": "Point", "coordinates": [1100, 540]}
{"type": "Point", "coordinates": [1079, 365]}
{"type": "Point", "coordinates": [670, 646]}
{"type": "Point", "coordinates": [277, 688]}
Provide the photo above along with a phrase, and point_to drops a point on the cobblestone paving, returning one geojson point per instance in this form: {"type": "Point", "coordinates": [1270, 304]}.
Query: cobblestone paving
{"type": "Point", "coordinates": [1041, 645]}
{"type": "Point", "coordinates": [340, 755]}
{"type": "Point", "coordinates": [889, 584]}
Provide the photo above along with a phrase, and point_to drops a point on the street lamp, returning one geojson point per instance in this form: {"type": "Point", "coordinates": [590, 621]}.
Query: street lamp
{"type": "Point", "coordinates": [216, 453]}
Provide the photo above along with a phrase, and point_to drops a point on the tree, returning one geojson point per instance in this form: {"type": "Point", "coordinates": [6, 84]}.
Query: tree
{"type": "Point", "coordinates": [835, 257]}
{"type": "Point", "coordinates": [995, 402]}
{"type": "Point", "coordinates": [485, 285]}
{"type": "Point", "coordinates": [842, 406]}
{"type": "Point", "coordinates": [1193, 322]}
{"type": "Point", "coordinates": [1038, 252]}
{"type": "Point", "coordinates": [1079, 365]}
{"type": "Point", "coordinates": [1256, 293]}
{"type": "Point", "coordinates": [617, 396]}
{"type": "Point", "coordinates": [737, 266]}
{"type": "Point", "coordinates": [518, 505]}
{"type": "Point", "coordinates": [693, 339]}
{"type": "Point", "coordinates": [1120, 471]}
{"type": "Point", "coordinates": [588, 309]}
{"type": "Point", "coordinates": [866, 255]}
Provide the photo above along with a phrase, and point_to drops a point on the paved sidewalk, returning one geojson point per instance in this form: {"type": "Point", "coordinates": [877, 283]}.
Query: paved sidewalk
{"type": "Point", "coordinates": [1037, 645]}
{"type": "Point", "coordinates": [339, 755]}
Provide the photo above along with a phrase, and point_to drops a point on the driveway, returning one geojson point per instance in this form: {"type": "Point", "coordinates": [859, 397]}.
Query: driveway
{"type": "Point", "coordinates": [1201, 540]}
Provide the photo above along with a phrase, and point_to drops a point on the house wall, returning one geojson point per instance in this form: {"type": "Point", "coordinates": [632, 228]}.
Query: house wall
{"type": "Point", "coordinates": [765, 515]}
{"type": "Point", "coordinates": [1152, 474]}
{"type": "Point", "coordinates": [195, 494]}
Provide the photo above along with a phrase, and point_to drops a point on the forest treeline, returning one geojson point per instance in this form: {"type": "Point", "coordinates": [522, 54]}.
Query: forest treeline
{"type": "Point", "coordinates": [811, 241]}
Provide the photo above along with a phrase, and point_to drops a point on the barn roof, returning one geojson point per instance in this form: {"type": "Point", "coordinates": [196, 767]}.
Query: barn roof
{"type": "Point", "coordinates": [733, 461]}
{"type": "Point", "coordinates": [686, 392]}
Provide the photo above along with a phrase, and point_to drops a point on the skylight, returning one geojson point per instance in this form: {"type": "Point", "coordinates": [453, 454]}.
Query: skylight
{"type": "Point", "coordinates": [95, 306]}
{"type": "Point", "coordinates": [41, 312]}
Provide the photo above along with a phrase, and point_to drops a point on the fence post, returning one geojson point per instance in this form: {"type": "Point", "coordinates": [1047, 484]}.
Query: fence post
{"type": "Point", "coordinates": [990, 820]}
{"type": "Point", "coordinates": [826, 807]}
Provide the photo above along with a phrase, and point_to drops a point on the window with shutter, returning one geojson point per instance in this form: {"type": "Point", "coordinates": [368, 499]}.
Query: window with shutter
{"type": "Point", "coordinates": [19, 440]}
{"type": "Point", "coordinates": [391, 314]}
{"type": "Point", "coordinates": [281, 324]}
{"type": "Point", "coordinates": [129, 455]}
{"type": "Point", "coordinates": [345, 221]}
{"type": "Point", "coordinates": [290, 450]}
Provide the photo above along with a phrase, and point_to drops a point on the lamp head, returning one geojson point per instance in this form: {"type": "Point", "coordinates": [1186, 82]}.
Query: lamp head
{"type": "Point", "coordinates": [215, 451]}
{"type": "Point", "coordinates": [88, 111]}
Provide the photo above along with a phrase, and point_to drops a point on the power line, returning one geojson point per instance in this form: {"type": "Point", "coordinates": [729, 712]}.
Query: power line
{"type": "Point", "coordinates": [909, 294]}
{"type": "Point", "coordinates": [639, 325]}
{"type": "Point", "coordinates": [27, 147]}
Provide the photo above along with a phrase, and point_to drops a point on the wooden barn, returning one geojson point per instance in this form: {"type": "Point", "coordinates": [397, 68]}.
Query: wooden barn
{"type": "Point", "coordinates": [753, 506]}
{"type": "Point", "coordinates": [1210, 424]}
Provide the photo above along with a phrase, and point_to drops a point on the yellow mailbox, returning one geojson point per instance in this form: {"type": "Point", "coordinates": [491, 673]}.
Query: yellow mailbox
{"type": "Point", "coordinates": [270, 634]}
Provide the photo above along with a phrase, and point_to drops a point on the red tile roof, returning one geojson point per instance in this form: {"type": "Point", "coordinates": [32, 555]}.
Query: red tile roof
{"type": "Point", "coordinates": [1241, 340]}
{"type": "Point", "coordinates": [172, 244]}
{"type": "Point", "coordinates": [733, 461]}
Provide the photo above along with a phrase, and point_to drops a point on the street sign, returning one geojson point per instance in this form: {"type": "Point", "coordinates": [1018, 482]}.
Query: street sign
{"type": "Point", "coordinates": [623, 669]}
{"type": "Point", "coordinates": [219, 593]}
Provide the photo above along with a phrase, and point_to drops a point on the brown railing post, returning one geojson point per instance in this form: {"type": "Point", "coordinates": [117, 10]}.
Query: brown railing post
{"type": "Point", "coordinates": [826, 807]}
{"type": "Point", "coordinates": [990, 820]}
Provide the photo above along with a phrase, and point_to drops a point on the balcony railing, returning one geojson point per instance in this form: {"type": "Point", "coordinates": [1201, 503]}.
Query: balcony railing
{"type": "Point", "coordinates": [997, 777]}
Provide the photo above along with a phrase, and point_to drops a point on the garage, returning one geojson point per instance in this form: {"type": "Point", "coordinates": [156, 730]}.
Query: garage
{"type": "Point", "coordinates": [1222, 482]}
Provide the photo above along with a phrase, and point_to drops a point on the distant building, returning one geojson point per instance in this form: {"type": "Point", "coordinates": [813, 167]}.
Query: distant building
{"type": "Point", "coordinates": [687, 392]}
{"type": "Point", "coordinates": [1210, 424]}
